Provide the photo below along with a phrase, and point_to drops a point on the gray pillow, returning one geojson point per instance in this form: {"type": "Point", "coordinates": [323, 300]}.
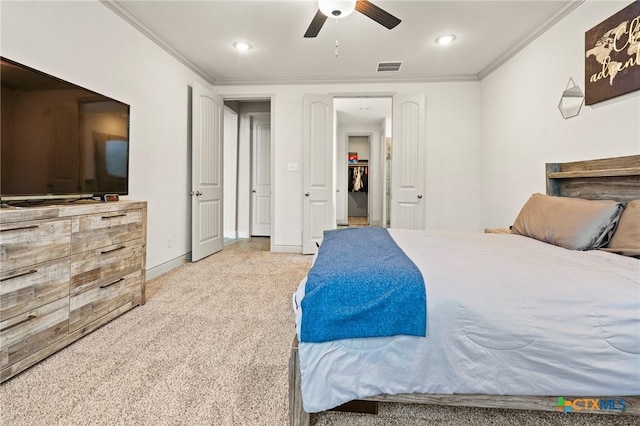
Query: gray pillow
{"type": "Point", "coordinates": [626, 238]}
{"type": "Point", "coordinates": [572, 223]}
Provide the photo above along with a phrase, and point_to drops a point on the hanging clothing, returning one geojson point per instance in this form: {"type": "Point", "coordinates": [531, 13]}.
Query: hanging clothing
{"type": "Point", "coordinates": [358, 179]}
{"type": "Point", "coordinates": [364, 179]}
{"type": "Point", "coordinates": [357, 182]}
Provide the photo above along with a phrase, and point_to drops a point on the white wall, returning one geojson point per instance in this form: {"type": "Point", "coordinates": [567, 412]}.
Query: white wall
{"type": "Point", "coordinates": [87, 44]}
{"type": "Point", "coordinates": [359, 145]}
{"type": "Point", "coordinates": [522, 128]}
{"type": "Point", "coordinates": [452, 138]}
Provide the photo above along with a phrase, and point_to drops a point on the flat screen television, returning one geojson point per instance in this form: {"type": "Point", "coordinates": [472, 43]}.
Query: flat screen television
{"type": "Point", "coordinates": [59, 140]}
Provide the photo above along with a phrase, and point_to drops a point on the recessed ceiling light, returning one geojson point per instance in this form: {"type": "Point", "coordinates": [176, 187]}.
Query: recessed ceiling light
{"type": "Point", "coordinates": [445, 39]}
{"type": "Point", "coordinates": [242, 46]}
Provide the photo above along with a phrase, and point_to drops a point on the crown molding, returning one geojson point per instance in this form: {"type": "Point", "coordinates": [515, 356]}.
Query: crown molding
{"type": "Point", "coordinates": [120, 10]}
{"type": "Point", "coordinates": [352, 80]}
{"type": "Point", "coordinates": [556, 16]}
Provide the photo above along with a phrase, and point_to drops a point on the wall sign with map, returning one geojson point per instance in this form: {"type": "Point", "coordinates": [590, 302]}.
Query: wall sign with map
{"type": "Point", "coordinates": [612, 61]}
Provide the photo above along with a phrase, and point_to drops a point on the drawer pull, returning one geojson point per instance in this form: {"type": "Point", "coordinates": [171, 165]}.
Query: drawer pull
{"type": "Point", "coordinates": [115, 215]}
{"type": "Point", "coordinates": [33, 271]}
{"type": "Point", "coordinates": [19, 228]}
{"type": "Point", "coordinates": [29, 318]}
{"type": "Point", "coordinates": [112, 250]}
{"type": "Point", "coordinates": [115, 282]}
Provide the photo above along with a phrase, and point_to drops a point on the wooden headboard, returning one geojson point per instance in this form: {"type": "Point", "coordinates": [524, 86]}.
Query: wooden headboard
{"type": "Point", "coordinates": [615, 178]}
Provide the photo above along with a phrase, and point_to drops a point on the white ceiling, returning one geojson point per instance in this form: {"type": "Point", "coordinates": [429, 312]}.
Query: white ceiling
{"type": "Point", "coordinates": [201, 34]}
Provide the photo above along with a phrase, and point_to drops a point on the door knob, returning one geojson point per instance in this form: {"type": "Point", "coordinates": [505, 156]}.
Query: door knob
{"type": "Point", "coordinates": [419, 196]}
{"type": "Point", "coordinates": [198, 193]}
{"type": "Point", "coordinates": [253, 191]}
{"type": "Point", "coordinates": [306, 194]}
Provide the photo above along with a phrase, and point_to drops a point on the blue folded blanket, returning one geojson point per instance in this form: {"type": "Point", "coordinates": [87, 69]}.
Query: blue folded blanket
{"type": "Point", "coordinates": [362, 285]}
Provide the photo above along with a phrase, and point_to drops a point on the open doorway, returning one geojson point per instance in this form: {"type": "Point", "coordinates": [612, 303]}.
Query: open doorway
{"type": "Point", "coordinates": [358, 154]}
{"type": "Point", "coordinates": [363, 132]}
{"type": "Point", "coordinates": [325, 164]}
{"type": "Point", "coordinates": [247, 172]}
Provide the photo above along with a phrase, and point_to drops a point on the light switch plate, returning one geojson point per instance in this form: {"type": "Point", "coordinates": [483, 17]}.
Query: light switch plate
{"type": "Point", "coordinates": [292, 167]}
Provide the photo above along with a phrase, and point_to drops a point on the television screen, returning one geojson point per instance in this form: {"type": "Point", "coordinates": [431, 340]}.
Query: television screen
{"type": "Point", "coordinates": [58, 139]}
{"type": "Point", "coordinates": [116, 157]}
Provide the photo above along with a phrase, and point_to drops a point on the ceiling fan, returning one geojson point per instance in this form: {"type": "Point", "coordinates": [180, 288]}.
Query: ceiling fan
{"type": "Point", "coordinates": [340, 9]}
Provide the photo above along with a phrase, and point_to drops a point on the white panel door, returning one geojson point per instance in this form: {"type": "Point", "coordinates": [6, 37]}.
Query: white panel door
{"type": "Point", "coordinates": [318, 208]}
{"type": "Point", "coordinates": [407, 162]}
{"type": "Point", "coordinates": [261, 175]}
{"type": "Point", "coordinates": [206, 173]}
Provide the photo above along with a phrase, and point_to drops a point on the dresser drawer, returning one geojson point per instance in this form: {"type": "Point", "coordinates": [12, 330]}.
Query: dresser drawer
{"type": "Point", "coordinates": [27, 288]}
{"type": "Point", "coordinates": [104, 229]}
{"type": "Point", "coordinates": [87, 253]}
{"type": "Point", "coordinates": [89, 305]}
{"type": "Point", "coordinates": [29, 243]}
{"type": "Point", "coordinates": [27, 333]}
{"type": "Point", "coordinates": [93, 267]}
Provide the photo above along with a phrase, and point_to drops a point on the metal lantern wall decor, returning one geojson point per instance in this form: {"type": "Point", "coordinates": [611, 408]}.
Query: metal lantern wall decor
{"type": "Point", "coordinates": [612, 56]}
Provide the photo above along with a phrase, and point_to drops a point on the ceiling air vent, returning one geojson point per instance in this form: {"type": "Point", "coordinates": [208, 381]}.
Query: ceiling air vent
{"type": "Point", "coordinates": [389, 66]}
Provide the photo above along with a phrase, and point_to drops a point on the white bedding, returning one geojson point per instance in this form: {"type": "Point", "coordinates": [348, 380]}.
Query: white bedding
{"type": "Point", "coordinates": [506, 315]}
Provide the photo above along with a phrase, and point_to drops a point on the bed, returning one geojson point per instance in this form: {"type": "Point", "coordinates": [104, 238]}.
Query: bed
{"type": "Point", "coordinates": [570, 328]}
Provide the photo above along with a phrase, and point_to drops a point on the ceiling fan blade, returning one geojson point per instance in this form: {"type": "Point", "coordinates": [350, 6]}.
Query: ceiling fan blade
{"type": "Point", "coordinates": [316, 24]}
{"type": "Point", "coordinates": [374, 12]}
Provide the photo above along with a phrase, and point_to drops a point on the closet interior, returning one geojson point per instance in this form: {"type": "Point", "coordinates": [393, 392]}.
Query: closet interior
{"type": "Point", "coordinates": [358, 179]}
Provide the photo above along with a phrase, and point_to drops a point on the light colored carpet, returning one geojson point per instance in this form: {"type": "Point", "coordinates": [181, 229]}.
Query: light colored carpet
{"type": "Point", "coordinates": [210, 347]}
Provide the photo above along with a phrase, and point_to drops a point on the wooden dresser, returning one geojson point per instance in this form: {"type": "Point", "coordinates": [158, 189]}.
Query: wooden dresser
{"type": "Point", "coordinates": [66, 270]}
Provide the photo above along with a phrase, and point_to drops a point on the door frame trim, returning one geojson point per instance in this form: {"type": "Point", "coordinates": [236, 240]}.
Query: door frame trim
{"type": "Point", "coordinates": [271, 98]}
{"type": "Point", "coordinates": [344, 164]}
{"type": "Point", "coordinates": [382, 166]}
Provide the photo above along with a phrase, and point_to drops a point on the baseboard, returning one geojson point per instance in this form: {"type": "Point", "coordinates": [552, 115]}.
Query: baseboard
{"type": "Point", "coordinates": [231, 234]}
{"type": "Point", "coordinates": [278, 248]}
{"type": "Point", "coordinates": [165, 267]}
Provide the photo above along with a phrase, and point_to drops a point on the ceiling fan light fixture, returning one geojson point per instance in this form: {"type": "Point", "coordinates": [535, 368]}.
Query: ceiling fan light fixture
{"type": "Point", "coordinates": [445, 39]}
{"type": "Point", "coordinates": [337, 8]}
{"type": "Point", "coordinates": [242, 46]}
